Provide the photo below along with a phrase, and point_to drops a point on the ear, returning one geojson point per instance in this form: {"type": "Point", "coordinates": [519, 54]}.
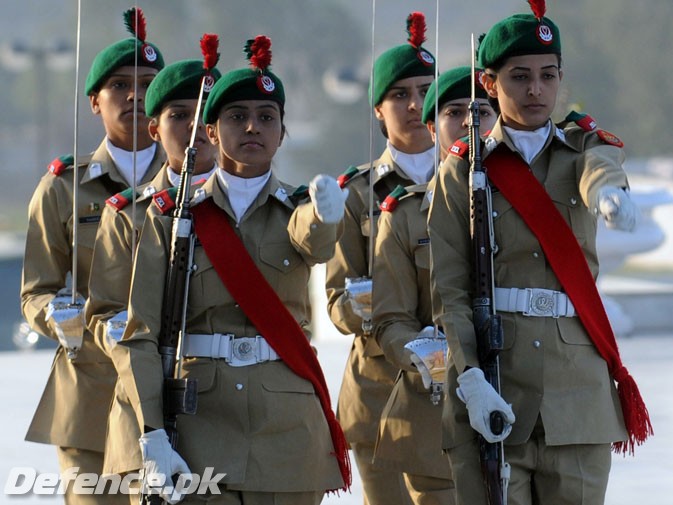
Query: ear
{"type": "Point", "coordinates": [282, 136]}
{"type": "Point", "coordinates": [93, 102]}
{"type": "Point", "coordinates": [153, 128]}
{"type": "Point", "coordinates": [378, 113]}
{"type": "Point", "coordinates": [432, 130]}
{"type": "Point", "coordinates": [560, 74]}
{"type": "Point", "coordinates": [211, 131]}
{"type": "Point", "coordinates": [491, 85]}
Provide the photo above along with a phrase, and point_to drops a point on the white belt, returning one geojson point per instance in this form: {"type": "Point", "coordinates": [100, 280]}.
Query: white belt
{"type": "Point", "coordinates": [242, 351]}
{"type": "Point", "coordinates": [535, 302]}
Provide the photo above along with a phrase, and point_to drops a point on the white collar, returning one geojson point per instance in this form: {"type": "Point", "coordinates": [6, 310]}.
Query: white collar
{"type": "Point", "coordinates": [418, 167]}
{"type": "Point", "coordinates": [241, 191]}
{"type": "Point", "coordinates": [529, 143]}
{"type": "Point", "coordinates": [123, 160]}
{"type": "Point", "coordinates": [174, 178]}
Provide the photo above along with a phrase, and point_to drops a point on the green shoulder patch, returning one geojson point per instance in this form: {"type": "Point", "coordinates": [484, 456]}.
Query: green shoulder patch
{"type": "Point", "coordinates": [584, 121]}
{"type": "Point", "coordinates": [165, 200]}
{"type": "Point", "coordinates": [120, 200]}
{"type": "Point", "coordinates": [350, 172]}
{"type": "Point", "coordinates": [60, 164]}
{"type": "Point", "coordinates": [460, 147]}
{"type": "Point", "coordinates": [390, 202]}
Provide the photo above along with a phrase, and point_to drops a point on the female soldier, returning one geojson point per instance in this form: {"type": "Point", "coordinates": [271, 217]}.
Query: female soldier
{"type": "Point", "coordinates": [409, 434]}
{"type": "Point", "coordinates": [73, 410]}
{"type": "Point", "coordinates": [402, 76]}
{"type": "Point", "coordinates": [559, 362]}
{"type": "Point", "coordinates": [264, 426]}
{"type": "Point", "coordinates": [171, 103]}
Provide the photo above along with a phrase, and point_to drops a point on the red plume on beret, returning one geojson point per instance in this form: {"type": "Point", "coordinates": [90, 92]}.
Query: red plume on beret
{"type": "Point", "coordinates": [209, 45]}
{"type": "Point", "coordinates": [258, 52]}
{"type": "Point", "coordinates": [416, 29]}
{"type": "Point", "coordinates": [134, 19]}
{"type": "Point", "coordinates": [538, 7]}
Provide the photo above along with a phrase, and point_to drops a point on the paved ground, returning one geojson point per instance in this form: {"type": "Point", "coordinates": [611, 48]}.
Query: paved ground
{"type": "Point", "coordinates": [643, 479]}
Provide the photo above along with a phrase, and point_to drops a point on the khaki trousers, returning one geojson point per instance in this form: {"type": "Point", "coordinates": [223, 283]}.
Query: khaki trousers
{"type": "Point", "coordinates": [88, 462]}
{"type": "Point", "coordinates": [426, 490]}
{"type": "Point", "coordinates": [541, 474]}
{"type": "Point", "coordinates": [379, 486]}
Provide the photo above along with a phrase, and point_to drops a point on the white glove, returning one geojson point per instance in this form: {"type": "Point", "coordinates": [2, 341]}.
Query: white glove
{"type": "Point", "coordinates": [160, 463]}
{"type": "Point", "coordinates": [115, 326]}
{"type": "Point", "coordinates": [481, 401]}
{"type": "Point", "coordinates": [67, 321]}
{"type": "Point", "coordinates": [428, 354]}
{"type": "Point", "coordinates": [329, 200]}
{"type": "Point", "coordinates": [615, 205]}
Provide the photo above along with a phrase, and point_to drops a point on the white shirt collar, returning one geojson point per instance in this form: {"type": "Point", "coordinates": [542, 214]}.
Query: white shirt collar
{"type": "Point", "coordinates": [174, 178]}
{"type": "Point", "coordinates": [241, 191]}
{"type": "Point", "coordinates": [124, 161]}
{"type": "Point", "coordinates": [418, 167]}
{"type": "Point", "coordinates": [529, 143]}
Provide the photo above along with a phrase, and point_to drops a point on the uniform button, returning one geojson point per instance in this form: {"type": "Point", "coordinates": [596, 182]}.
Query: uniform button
{"type": "Point", "coordinates": [314, 226]}
{"type": "Point", "coordinates": [573, 200]}
{"type": "Point", "coordinates": [239, 387]}
{"type": "Point", "coordinates": [536, 343]}
{"type": "Point", "coordinates": [495, 213]}
{"type": "Point", "coordinates": [286, 262]}
{"type": "Point", "coordinates": [535, 255]}
{"type": "Point", "coordinates": [236, 305]}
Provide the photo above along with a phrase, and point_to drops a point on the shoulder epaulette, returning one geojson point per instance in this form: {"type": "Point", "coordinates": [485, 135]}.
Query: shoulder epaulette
{"type": "Point", "coordinates": [165, 200]}
{"type": "Point", "coordinates": [588, 124]}
{"type": "Point", "coordinates": [584, 121]}
{"type": "Point", "coordinates": [460, 147]}
{"type": "Point", "coordinates": [121, 199]}
{"type": "Point", "coordinates": [299, 194]}
{"type": "Point", "coordinates": [347, 176]}
{"type": "Point", "coordinates": [391, 201]}
{"type": "Point", "coordinates": [58, 166]}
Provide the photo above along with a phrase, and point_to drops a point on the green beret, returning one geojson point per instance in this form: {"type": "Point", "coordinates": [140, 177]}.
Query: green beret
{"type": "Point", "coordinates": [179, 80]}
{"type": "Point", "coordinates": [121, 54]}
{"type": "Point", "coordinates": [401, 62]}
{"type": "Point", "coordinates": [243, 84]}
{"type": "Point", "coordinates": [518, 35]}
{"type": "Point", "coordinates": [453, 84]}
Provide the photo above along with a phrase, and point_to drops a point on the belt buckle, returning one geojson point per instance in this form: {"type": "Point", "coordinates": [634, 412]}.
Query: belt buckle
{"type": "Point", "coordinates": [244, 349]}
{"type": "Point", "coordinates": [541, 302]}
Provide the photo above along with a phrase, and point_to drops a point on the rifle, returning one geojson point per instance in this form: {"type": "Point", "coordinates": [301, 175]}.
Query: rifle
{"type": "Point", "coordinates": [487, 324]}
{"type": "Point", "coordinates": [179, 394]}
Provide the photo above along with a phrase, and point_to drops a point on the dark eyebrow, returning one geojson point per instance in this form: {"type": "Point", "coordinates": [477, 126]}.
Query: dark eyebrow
{"type": "Point", "coordinates": [528, 68]}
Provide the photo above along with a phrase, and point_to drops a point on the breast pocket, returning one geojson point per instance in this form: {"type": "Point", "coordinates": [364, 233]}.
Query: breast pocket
{"type": "Point", "coordinates": [506, 222]}
{"type": "Point", "coordinates": [206, 289]}
{"type": "Point", "coordinates": [568, 201]}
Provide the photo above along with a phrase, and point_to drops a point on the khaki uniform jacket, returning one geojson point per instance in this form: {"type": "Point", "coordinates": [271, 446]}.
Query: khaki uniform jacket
{"type": "Point", "coordinates": [74, 406]}
{"type": "Point", "coordinates": [368, 378]}
{"type": "Point", "coordinates": [410, 431]}
{"type": "Point", "coordinates": [548, 367]}
{"type": "Point", "coordinates": [109, 295]}
{"type": "Point", "coordinates": [262, 425]}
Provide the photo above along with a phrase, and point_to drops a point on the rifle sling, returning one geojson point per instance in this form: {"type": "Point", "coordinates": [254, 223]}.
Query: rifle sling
{"type": "Point", "coordinates": [513, 177]}
{"type": "Point", "coordinates": [264, 308]}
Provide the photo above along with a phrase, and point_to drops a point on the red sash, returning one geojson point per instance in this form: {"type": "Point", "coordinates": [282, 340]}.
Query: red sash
{"type": "Point", "coordinates": [513, 177]}
{"type": "Point", "coordinates": [248, 286]}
